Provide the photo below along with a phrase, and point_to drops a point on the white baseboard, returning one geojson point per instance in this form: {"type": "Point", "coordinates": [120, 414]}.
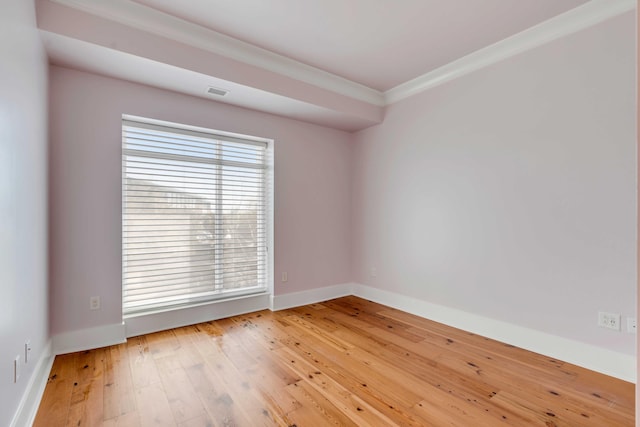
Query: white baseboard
{"type": "Point", "coordinates": [595, 358]}
{"type": "Point", "coordinates": [169, 319]}
{"type": "Point", "coordinates": [296, 299]}
{"type": "Point", "coordinates": [28, 407]}
{"type": "Point", "coordinates": [90, 338]}
{"type": "Point", "coordinates": [619, 365]}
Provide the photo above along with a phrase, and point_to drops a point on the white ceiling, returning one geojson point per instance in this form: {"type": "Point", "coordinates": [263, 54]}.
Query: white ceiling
{"type": "Point", "coordinates": [336, 63]}
{"type": "Point", "coordinates": [377, 43]}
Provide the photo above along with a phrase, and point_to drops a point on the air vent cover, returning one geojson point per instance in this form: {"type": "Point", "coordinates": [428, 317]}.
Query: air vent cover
{"type": "Point", "coordinates": [216, 91]}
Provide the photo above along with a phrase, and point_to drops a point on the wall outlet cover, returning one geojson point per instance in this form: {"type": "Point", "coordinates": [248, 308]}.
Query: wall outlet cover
{"type": "Point", "coordinates": [609, 320]}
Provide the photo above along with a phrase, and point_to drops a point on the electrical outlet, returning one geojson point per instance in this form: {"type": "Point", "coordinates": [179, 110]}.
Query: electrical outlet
{"type": "Point", "coordinates": [609, 320]}
{"type": "Point", "coordinates": [631, 325]}
{"type": "Point", "coordinates": [16, 369]}
{"type": "Point", "coordinates": [27, 352]}
{"type": "Point", "coordinates": [285, 277]}
{"type": "Point", "coordinates": [94, 303]}
{"type": "Point", "coordinates": [374, 272]}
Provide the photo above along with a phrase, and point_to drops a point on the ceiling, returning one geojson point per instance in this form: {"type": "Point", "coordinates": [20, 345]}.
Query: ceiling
{"type": "Point", "coordinates": [377, 43]}
{"type": "Point", "coordinates": [336, 63]}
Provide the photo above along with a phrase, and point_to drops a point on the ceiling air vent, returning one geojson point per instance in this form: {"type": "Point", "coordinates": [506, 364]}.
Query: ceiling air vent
{"type": "Point", "coordinates": [215, 91]}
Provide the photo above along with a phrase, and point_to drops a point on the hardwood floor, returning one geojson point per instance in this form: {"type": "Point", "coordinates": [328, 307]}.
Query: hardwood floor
{"type": "Point", "coordinates": [345, 362]}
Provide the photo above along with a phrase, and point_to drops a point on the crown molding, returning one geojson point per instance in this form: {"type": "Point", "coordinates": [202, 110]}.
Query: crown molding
{"type": "Point", "coordinates": [161, 24]}
{"type": "Point", "coordinates": [574, 20]}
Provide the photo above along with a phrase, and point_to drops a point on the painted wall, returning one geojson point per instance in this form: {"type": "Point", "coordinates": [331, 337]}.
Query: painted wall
{"type": "Point", "coordinates": [312, 203]}
{"type": "Point", "coordinates": [23, 200]}
{"type": "Point", "coordinates": [510, 193]}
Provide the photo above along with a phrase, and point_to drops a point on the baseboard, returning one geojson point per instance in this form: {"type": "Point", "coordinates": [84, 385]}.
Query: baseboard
{"type": "Point", "coordinates": [28, 407]}
{"type": "Point", "coordinates": [598, 359]}
{"type": "Point", "coordinates": [169, 319]}
{"type": "Point", "coordinates": [296, 299]}
{"type": "Point", "coordinates": [619, 365]}
{"type": "Point", "coordinates": [90, 338]}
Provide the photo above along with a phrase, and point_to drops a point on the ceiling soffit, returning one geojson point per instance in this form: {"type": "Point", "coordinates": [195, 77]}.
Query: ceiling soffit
{"type": "Point", "coordinates": [135, 29]}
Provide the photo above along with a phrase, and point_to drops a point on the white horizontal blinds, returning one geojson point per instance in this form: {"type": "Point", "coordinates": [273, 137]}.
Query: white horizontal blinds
{"type": "Point", "coordinates": [194, 222]}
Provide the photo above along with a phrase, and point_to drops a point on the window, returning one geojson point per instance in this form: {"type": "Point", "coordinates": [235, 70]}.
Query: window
{"type": "Point", "coordinates": [194, 217]}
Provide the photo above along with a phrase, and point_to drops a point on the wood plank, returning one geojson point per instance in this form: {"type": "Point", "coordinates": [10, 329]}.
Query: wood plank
{"type": "Point", "coordinates": [346, 362]}
{"type": "Point", "coordinates": [153, 406]}
{"type": "Point", "coordinates": [181, 395]}
{"type": "Point", "coordinates": [219, 405]}
{"type": "Point", "coordinates": [131, 419]}
{"type": "Point", "coordinates": [87, 404]}
{"type": "Point", "coordinates": [201, 421]}
{"type": "Point", "coordinates": [119, 396]}
{"type": "Point", "coordinates": [56, 400]}
{"type": "Point", "coordinates": [349, 404]}
{"type": "Point", "coordinates": [143, 368]}
{"type": "Point", "coordinates": [315, 407]}
{"type": "Point", "coordinates": [358, 379]}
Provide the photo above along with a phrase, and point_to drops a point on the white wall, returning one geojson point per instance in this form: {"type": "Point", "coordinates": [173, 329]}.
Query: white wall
{"type": "Point", "coordinates": [510, 193]}
{"type": "Point", "coordinates": [312, 201]}
{"type": "Point", "coordinates": [23, 200]}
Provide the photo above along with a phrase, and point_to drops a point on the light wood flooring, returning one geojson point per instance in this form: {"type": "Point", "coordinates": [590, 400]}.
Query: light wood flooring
{"type": "Point", "coordinates": [345, 362]}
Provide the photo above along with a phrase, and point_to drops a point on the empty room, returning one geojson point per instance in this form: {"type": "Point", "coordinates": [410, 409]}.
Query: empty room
{"type": "Point", "coordinates": [309, 213]}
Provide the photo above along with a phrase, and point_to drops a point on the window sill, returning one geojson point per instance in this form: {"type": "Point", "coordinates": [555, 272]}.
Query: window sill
{"type": "Point", "coordinates": [174, 317]}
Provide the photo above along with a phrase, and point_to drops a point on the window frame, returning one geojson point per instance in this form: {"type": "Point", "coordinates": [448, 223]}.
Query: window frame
{"type": "Point", "coordinates": [266, 271]}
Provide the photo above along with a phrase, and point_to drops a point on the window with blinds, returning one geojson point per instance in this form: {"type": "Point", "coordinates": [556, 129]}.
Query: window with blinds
{"type": "Point", "coordinates": [194, 220]}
